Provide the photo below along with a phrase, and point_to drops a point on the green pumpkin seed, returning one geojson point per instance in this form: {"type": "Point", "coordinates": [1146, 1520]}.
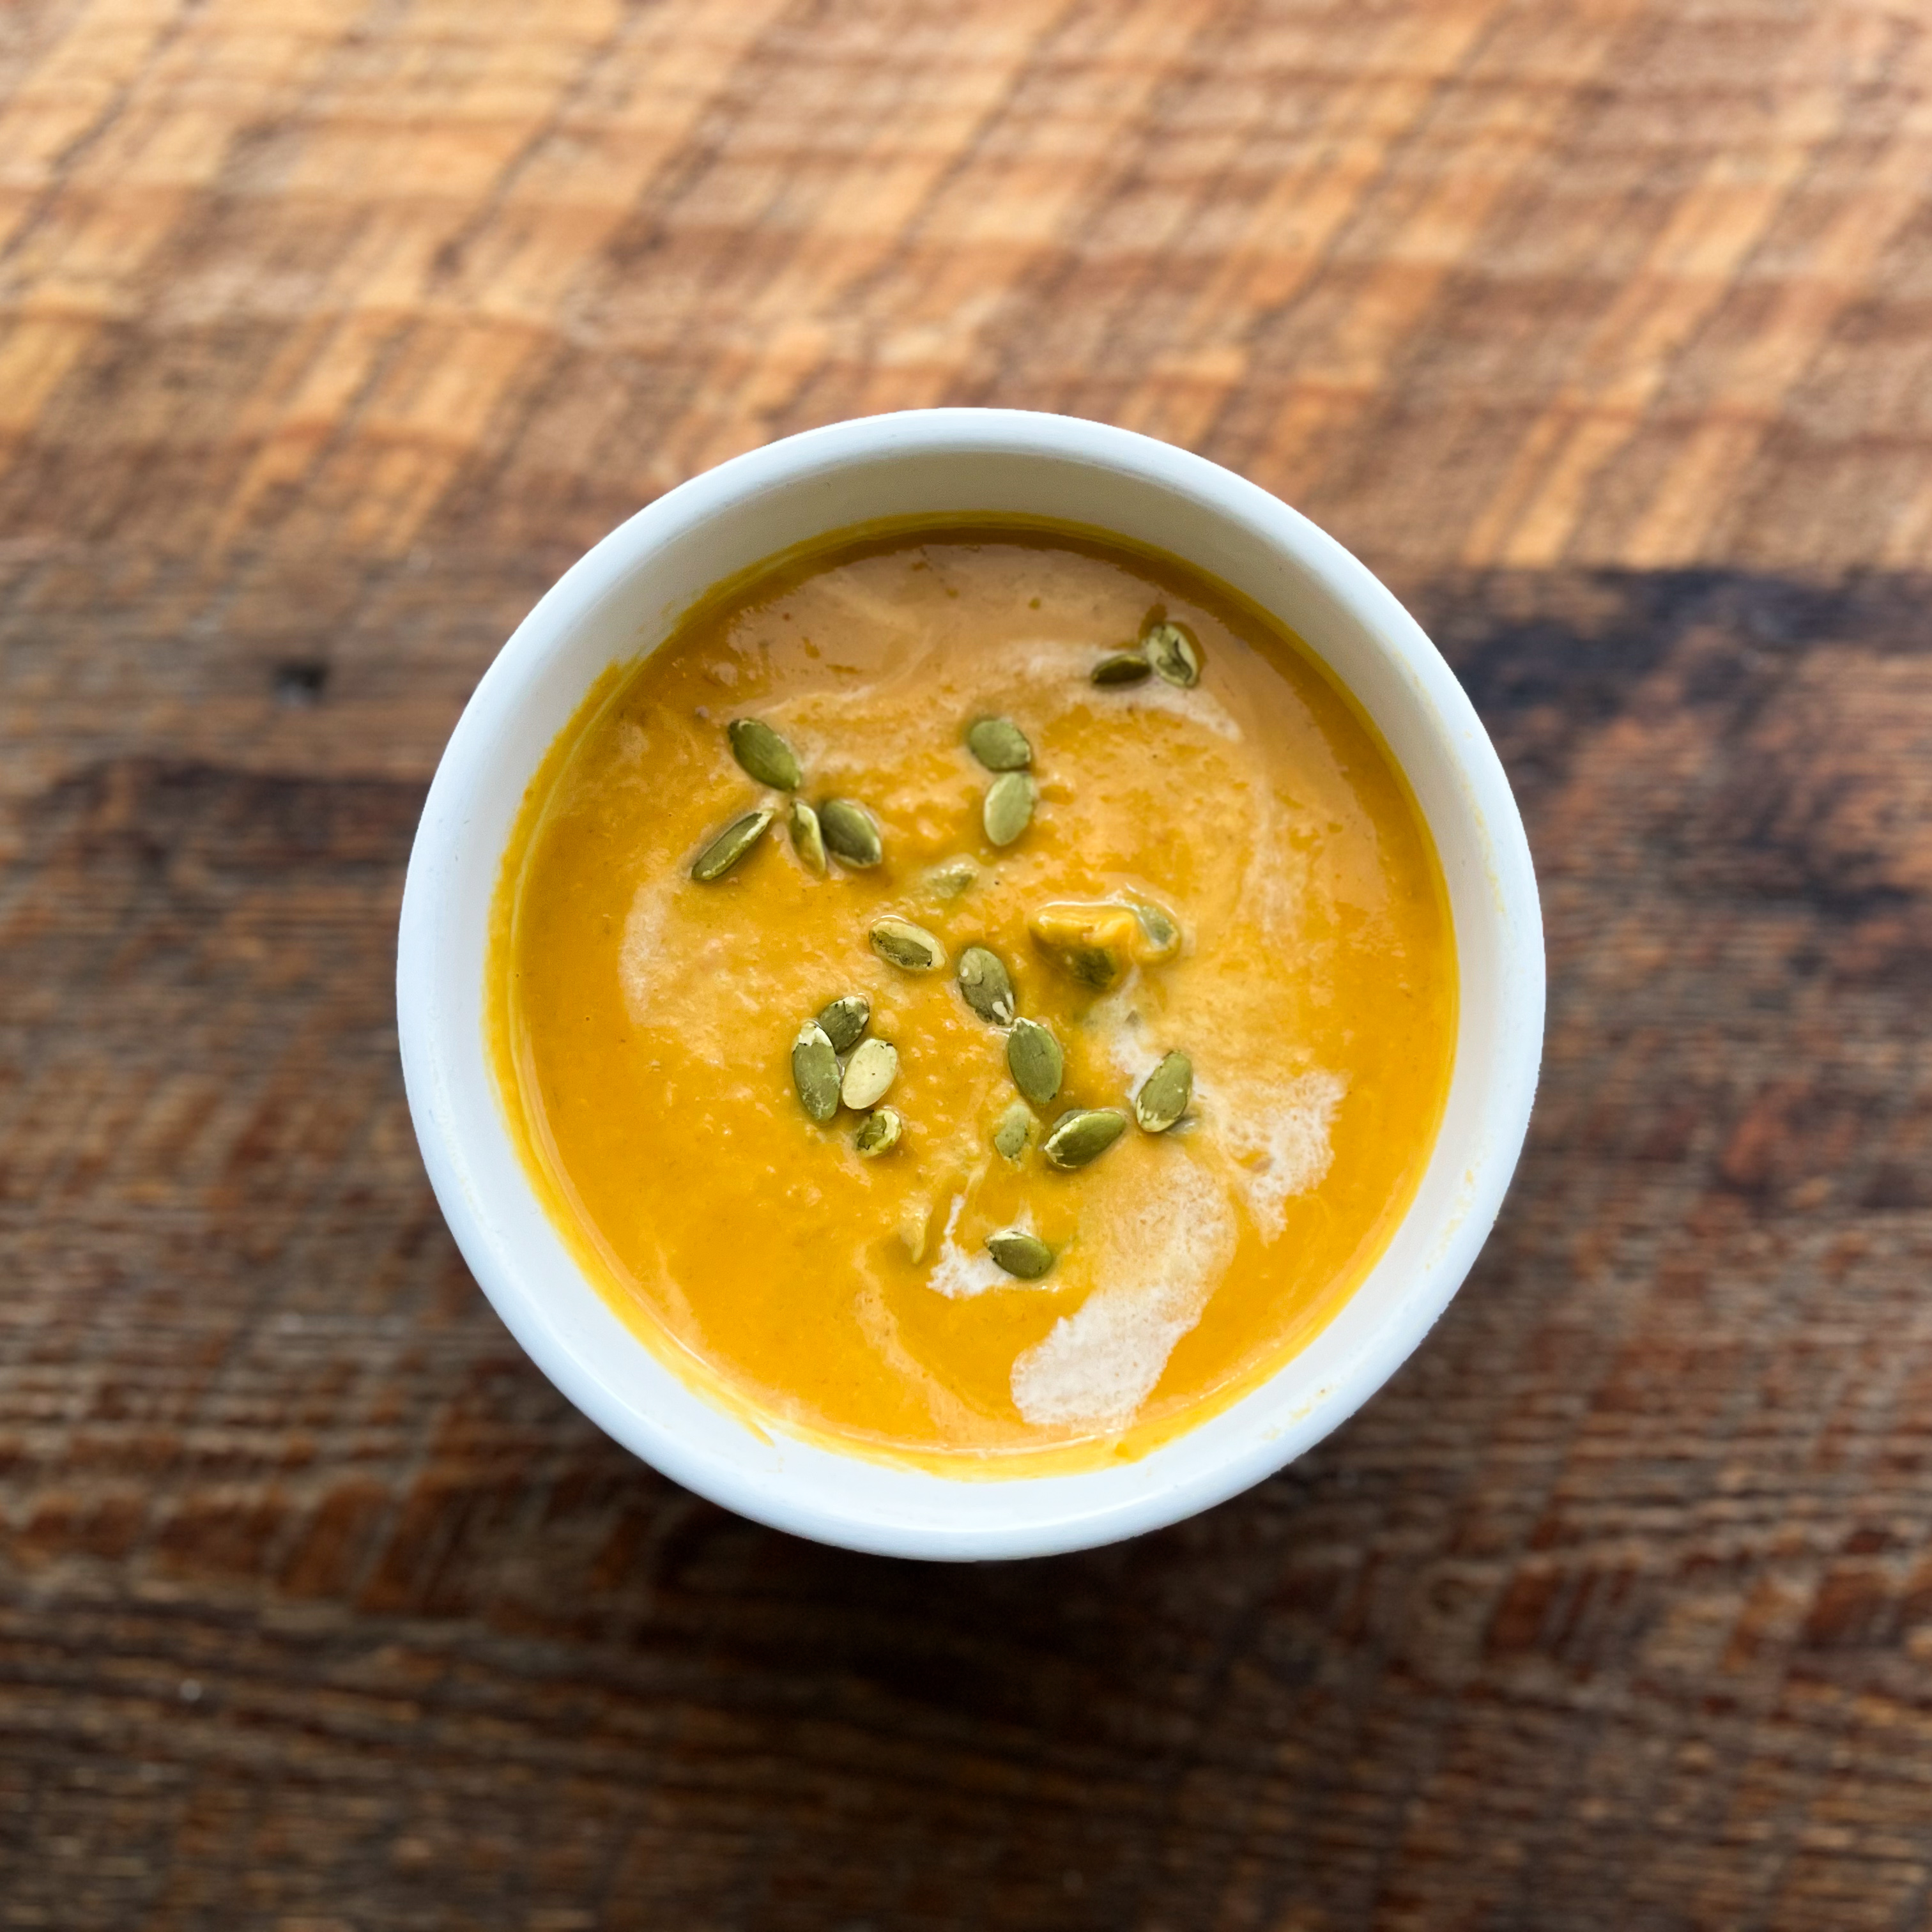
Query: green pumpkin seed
{"type": "Point", "coordinates": [1034, 1059]}
{"type": "Point", "coordinates": [986, 985]}
{"type": "Point", "coordinates": [1008, 807]}
{"type": "Point", "coordinates": [1083, 1134]}
{"type": "Point", "coordinates": [1011, 1136]}
{"type": "Point", "coordinates": [909, 947]}
{"type": "Point", "coordinates": [730, 846]}
{"type": "Point", "coordinates": [851, 832]}
{"type": "Point", "coordinates": [956, 876]}
{"type": "Point", "coordinates": [1122, 668]}
{"type": "Point", "coordinates": [1091, 943]}
{"type": "Point", "coordinates": [845, 1019]}
{"type": "Point", "coordinates": [1021, 1254]}
{"type": "Point", "coordinates": [1163, 932]}
{"type": "Point", "coordinates": [1161, 1098]}
{"type": "Point", "coordinates": [814, 1071]}
{"type": "Point", "coordinates": [763, 754]}
{"type": "Point", "coordinates": [1000, 745]}
{"type": "Point", "coordinates": [874, 1066]}
{"type": "Point", "coordinates": [879, 1133]}
{"type": "Point", "coordinates": [807, 840]}
{"type": "Point", "coordinates": [1173, 655]}
{"type": "Point", "coordinates": [1093, 966]}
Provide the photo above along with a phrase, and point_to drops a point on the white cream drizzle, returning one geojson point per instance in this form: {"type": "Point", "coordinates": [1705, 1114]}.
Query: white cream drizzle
{"type": "Point", "coordinates": [1279, 1137]}
{"type": "Point", "coordinates": [1158, 1265]}
{"type": "Point", "coordinates": [957, 1273]}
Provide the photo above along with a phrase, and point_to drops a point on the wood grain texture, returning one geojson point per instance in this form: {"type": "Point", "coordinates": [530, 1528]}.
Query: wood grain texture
{"type": "Point", "coordinates": [329, 333]}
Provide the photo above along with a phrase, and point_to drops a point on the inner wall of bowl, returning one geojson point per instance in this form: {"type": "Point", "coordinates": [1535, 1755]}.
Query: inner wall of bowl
{"type": "Point", "coordinates": [620, 601]}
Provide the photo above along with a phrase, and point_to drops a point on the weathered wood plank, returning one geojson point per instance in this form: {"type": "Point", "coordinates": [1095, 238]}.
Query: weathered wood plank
{"type": "Point", "coordinates": [1613, 283]}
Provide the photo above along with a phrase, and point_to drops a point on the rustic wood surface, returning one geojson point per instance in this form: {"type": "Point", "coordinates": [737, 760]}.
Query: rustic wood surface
{"type": "Point", "coordinates": [329, 333]}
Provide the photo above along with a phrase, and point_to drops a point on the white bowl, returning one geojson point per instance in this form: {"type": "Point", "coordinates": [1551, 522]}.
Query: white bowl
{"type": "Point", "coordinates": [621, 600]}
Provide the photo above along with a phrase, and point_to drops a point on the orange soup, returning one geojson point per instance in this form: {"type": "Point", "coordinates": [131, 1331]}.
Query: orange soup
{"type": "Point", "coordinates": [981, 996]}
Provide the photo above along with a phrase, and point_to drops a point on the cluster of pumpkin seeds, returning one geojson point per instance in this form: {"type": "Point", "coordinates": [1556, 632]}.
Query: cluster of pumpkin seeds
{"type": "Point", "coordinates": [1035, 1060]}
{"type": "Point", "coordinates": [1037, 1066]}
{"type": "Point", "coordinates": [1165, 651]}
{"type": "Point", "coordinates": [1001, 746]}
{"type": "Point", "coordinates": [834, 828]}
{"type": "Point", "coordinates": [833, 1062]}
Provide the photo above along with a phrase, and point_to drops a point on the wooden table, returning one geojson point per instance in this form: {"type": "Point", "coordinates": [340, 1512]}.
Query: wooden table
{"type": "Point", "coordinates": [328, 334]}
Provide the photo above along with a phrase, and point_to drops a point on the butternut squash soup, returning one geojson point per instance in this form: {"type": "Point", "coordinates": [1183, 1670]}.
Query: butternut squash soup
{"type": "Point", "coordinates": [980, 995]}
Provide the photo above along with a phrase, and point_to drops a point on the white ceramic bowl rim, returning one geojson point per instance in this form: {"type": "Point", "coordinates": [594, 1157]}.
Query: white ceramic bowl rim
{"type": "Point", "coordinates": [621, 599]}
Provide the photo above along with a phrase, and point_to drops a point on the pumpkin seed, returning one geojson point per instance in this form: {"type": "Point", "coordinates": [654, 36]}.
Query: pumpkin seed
{"type": "Point", "coordinates": [1161, 1098]}
{"type": "Point", "coordinates": [953, 878]}
{"type": "Point", "coordinates": [1083, 1134]}
{"type": "Point", "coordinates": [1034, 1059]}
{"type": "Point", "coordinates": [986, 984]}
{"type": "Point", "coordinates": [1008, 807]}
{"type": "Point", "coordinates": [851, 832]}
{"type": "Point", "coordinates": [1021, 1254]}
{"type": "Point", "coordinates": [1173, 654]}
{"type": "Point", "coordinates": [1162, 931]}
{"type": "Point", "coordinates": [1000, 745]}
{"type": "Point", "coordinates": [874, 1066]}
{"type": "Point", "coordinates": [814, 1071]}
{"type": "Point", "coordinates": [879, 1133]}
{"type": "Point", "coordinates": [845, 1019]}
{"type": "Point", "coordinates": [915, 1225]}
{"type": "Point", "coordinates": [730, 846]}
{"type": "Point", "coordinates": [1011, 1137]}
{"type": "Point", "coordinates": [1093, 966]}
{"type": "Point", "coordinates": [1093, 943]}
{"type": "Point", "coordinates": [1122, 668]}
{"type": "Point", "coordinates": [910, 947]}
{"type": "Point", "coordinates": [807, 840]}
{"type": "Point", "coordinates": [763, 754]}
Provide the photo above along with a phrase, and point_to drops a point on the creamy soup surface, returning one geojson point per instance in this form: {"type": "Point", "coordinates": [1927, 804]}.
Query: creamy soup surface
{"type": "Point", "coordinates": [1230, 870]}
